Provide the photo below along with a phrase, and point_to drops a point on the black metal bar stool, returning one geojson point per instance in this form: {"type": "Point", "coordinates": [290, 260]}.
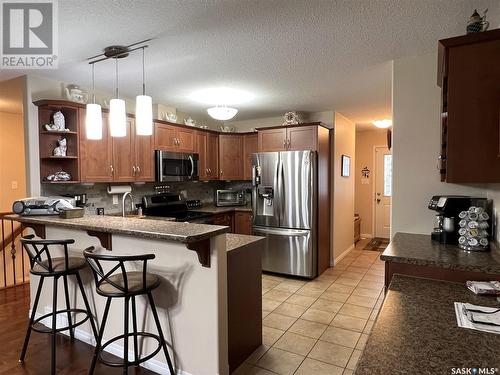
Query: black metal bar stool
{"type": "Point", "coordinates": [43, 264]}
{"type": "Point", "coordinates": [120, 283]}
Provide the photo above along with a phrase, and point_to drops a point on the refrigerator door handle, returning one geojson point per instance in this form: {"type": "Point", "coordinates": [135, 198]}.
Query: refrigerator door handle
{"type": "Point", "coordinates": [282, 232]}
{"type": "Point", "coordinates": [281, 191]}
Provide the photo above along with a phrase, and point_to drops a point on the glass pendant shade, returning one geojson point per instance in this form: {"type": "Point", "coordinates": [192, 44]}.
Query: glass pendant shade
{"type": "Point", "coordinates": [117, 118]}
{"type": "Point", "coordinates": [222, 113]}
{"type": "Point", "coordinates": [144, 115]}
{"type": "Point", "coordinates": [93, 121]}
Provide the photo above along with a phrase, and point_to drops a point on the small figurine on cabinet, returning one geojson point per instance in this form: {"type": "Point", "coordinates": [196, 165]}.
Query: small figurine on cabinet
{"type": "Point", "coordinates": [59, 121]}
{"type": "Point", "coordinates": [62, 148]}
{"type": "Point", "coordinates": [477, 23]}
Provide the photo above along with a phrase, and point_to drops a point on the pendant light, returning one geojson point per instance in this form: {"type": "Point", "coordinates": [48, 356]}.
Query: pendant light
{"type": "Point", "coordinates": [117, 113]}
{"type": "Point", "coordinates": [143, 108]}
{"type": "Point", "coordinates": [93, 116]}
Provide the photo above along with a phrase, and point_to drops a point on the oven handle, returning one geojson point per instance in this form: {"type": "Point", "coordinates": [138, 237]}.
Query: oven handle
{"type": "Point", "coordinates": [192, 166]}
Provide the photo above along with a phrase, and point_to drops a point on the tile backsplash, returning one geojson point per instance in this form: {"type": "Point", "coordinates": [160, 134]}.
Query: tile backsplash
{"type": "Point", "coordinates": [97, 195]}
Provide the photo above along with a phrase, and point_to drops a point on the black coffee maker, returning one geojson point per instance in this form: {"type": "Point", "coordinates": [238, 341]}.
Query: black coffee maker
{"type": "Point", "coordinates": [447, 208]}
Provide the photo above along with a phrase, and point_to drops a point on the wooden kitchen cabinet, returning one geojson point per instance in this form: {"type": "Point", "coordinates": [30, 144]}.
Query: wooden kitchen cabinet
{"type": "Point", "coordinates": [117, 159]}
{"type": "Point", "coordinates": [243, 222]}
{"type": "Point", "coordinates": [174, 138]}
{"type": "Point", "coordinates": [230, 157]}
{"type": "Point", "coordinates": [272, 139]}
{"type": "Point", "coordinates": [96, 156]}
{"type": "Point", "coordinates": [468, 74]}
{"type": "Point", "coordinates": [206, 146]}
{"type": "Point", "coordinates": [290, 138]}
{"type": "Point", "coordinates": [250, 146]}
{"type": "Point", "coordinates": [225, 219]}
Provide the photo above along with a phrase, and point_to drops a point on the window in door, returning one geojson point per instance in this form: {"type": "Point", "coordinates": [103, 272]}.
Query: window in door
{"type": "Point", "coordinates": [387, 175]}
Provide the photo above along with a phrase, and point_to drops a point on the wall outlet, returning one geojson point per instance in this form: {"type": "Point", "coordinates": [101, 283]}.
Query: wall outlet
{"type": "Point", "coordinates": [115, 199]}
{"type": "Point", "coordinates": [14, 185]}
{"type": "Point", "coordinates": [184, 194]}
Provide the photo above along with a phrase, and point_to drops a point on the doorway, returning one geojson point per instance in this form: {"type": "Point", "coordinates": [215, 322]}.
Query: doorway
{"type": "Point", "coordinates": [383, 192]}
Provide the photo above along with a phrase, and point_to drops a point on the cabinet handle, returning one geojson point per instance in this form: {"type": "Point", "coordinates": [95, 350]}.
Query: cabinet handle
{"type": "Point", "coordinates": [178, 142]}
{"type": "Point", "coordinates": [133, 170]}
{"type": "Point", "coordinates": [284, 143]}
{"type": "Point", "coordinates": [210, 170]}
{"type": "Point", "coordinates": [221, 172]}
{"type": "Point", "coordinates": [138, 169]}
{"type": "Point", "coordinates": [112, 170]}
{"type": "Point", "coordinates": [288, 143]}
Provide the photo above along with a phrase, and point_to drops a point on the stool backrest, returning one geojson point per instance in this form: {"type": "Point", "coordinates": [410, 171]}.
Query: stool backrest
{"type": "Point", "coordinates": [117, 264]}
{"type": "Point", "coordinates": [39, 253]}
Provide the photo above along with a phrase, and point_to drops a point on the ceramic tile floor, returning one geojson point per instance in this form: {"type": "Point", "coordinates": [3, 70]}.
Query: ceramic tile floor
{"type": "Point", "coordinates": [319, 327]}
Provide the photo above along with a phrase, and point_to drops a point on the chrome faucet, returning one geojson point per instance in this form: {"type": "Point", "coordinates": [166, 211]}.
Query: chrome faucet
{"type": "Point", "coordinates": [127, 194]}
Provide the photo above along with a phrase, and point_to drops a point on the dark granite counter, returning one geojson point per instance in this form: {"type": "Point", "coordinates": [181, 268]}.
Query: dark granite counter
{"type": "Point", "coordinates": [419, 249]}
{"type": "Point", "coordinates": [416, 331]}
{"type": "Point", "coordinates": [236, 241]}
{"type": "Point", "coordinates": [210, 208]}
{"type": "Point", "coordinates": [144, 228]}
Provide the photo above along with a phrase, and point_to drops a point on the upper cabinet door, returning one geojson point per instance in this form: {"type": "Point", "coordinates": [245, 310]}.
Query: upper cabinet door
{"type": "Point", "coordinates": [213, 156]}
{"type": "Point", "coordinates": [201, 150]}
{"type": "Point", "coordinates": [165, 138]}
{"type": "Point", "coordinates": [250, 143]}
{"type": "Point", "coordinates": [124, 168]}
{"type": "Point", "coordinates": [230, 157]}
{"type": "Point", "coordinates": [95, 155]}
{"type": "Point", "coordinates": [272, 140]}
{"type": "Point", "coordinates": [302, 138]}
{"type": "Point", "coordinates": [184, 140]}
{"type": "Point", "coordinates": [144, 158]}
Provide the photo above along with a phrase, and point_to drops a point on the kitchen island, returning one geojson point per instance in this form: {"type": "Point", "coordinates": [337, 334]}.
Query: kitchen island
{"type": "Point", "coordinates": [192, 300]}
{"type": "Point", "coordinates": [416, 332]}
{"type": "Point", "coordinates": [417, 255]}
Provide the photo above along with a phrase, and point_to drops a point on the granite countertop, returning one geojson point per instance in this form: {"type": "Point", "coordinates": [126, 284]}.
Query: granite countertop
{"type": "Point", "coordinates": [416, 331]}
{"type": "Point", "coordinates": [213, 209]}
{"type": "Point", "coordinates": [420, 250]}
{"type": "Point", "coordinates": [155, 229]}
{"type": "Point", "coordinates": [236, 241]}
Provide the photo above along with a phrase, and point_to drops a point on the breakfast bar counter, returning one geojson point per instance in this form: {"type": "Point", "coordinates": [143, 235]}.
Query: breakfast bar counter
{"type": "Point", "coordinates": [416, 332]}
{"type": "Point", "coordinates": [192, 299]}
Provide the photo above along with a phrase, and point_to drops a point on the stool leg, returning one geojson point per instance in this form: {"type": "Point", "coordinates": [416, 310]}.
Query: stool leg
{"type": "Point", "coordinates": [66, 297]}
{"type": "Point", "coordinates": [160, 333]}
{"type": "Point", "coordinates": [87, 305]}
{"type": "Point", "coordinates": [134, 322]}
{"type": "Point", "coordinates": [32, 318]}
{"type": "Point", "coordinates": [99, 337]}
{"type": "Point", "coordinates": [125, 338]}
{"type": "Point", "coordinates": [54, 316]}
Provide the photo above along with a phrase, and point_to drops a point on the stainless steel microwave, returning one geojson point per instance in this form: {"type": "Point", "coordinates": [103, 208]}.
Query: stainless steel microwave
{"type": "Point", "coordinates": [176, 166]}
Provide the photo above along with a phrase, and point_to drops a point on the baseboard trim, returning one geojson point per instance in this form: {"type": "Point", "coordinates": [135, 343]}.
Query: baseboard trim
{"type": "Point", "coordinates": [366, 235]}
{"type": "Point", "coordinates": [344, 254]}
{"type": "Point", "coordinates": [152, 364]}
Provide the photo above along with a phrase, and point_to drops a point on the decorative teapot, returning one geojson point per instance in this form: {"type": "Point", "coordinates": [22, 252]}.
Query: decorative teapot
{"type": "Point", "coordinates": [477, 23]}
{"type": "Point", "coordinates": [189, 121]}
{"type": "Point", "coordinates": [76, 94]}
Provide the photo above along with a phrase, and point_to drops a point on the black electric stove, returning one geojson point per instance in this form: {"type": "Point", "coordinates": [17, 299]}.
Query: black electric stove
{"type": "Point", "coordinates": [171, 205]}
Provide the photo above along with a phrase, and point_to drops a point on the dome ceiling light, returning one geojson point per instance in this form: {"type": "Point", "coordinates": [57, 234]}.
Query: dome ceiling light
{"type": "Point", "coordinates": [223, 99]}
{"type": "Point", "coordinates": [382, 124]}
{"type": "Point", "coordinates": [222, 113]}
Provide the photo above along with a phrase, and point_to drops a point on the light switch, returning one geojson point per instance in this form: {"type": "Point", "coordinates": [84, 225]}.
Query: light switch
{"type": "Point", "coordinates": [115, 199]}
{"type": "Point", "coordinates": [14, 185]}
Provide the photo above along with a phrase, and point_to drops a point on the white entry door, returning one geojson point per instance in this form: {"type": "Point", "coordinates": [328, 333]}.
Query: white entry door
{"type": "Point", "coordinates": [383, 192]}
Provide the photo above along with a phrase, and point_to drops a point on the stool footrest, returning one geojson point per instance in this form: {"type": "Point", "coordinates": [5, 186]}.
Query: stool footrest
{"type": "Point", "coordinates": [130, 363]}
{"type": "Point", "coordinates": [39, 327]}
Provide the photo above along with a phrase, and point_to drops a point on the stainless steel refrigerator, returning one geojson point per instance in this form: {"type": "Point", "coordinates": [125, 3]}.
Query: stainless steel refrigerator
{"type": "Point", "coordinates": [284, 210]}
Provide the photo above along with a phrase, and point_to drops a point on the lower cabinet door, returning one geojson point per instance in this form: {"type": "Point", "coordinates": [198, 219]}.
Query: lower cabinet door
{"type": "Point", "coordinates": [288, 251]}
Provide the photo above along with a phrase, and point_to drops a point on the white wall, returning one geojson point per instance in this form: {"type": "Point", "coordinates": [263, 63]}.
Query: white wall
{"type": "Point", "coordinates": [416, 145]}
{"type": "Point", "coordinates": [343, 187]}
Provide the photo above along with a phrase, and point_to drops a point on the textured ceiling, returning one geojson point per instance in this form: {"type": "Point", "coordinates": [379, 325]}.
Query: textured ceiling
{"type": "Point", "coordinates": [308, 55]}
